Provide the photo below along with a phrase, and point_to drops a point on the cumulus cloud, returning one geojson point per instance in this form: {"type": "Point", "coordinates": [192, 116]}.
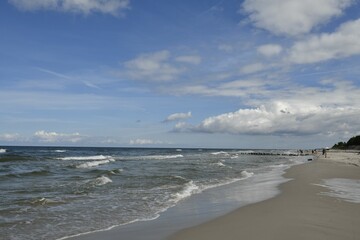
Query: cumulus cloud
{"type": "Point", "coordinates": [269, 50]}
{"type": "Point", "coordinates": [52, 137]}
{"type": "Point", "coordinates": [142, 141]}
{"type": "Point", "coordinates": [293, 17]}
{"type": "Point", "coordinates": [191, 59]}
{"type": "Point", "coordinates": [75, 6]}
{"type": "Point", "coordinates": [344, 42]}
{"type": "Point", "coordinates": [152, 67]}
{"type": "Point", "coordinates": [311, 111]}
{"type": "Point", "coordinates": [177, 117]}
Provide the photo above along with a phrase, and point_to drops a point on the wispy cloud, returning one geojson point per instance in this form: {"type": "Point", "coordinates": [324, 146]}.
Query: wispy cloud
{"type": "Point", "coordinates": [152, 67]}
{"type": "Point", "coordinates": [160, 66]}
{"type": "Point", "coordinates": [177, 117]}
{"type": "Point", "coordinates": [191, 59]}
{"type": "Point", "coordinates": [143, 141]}
{"type": "Point", "coordinates": [113, 7]}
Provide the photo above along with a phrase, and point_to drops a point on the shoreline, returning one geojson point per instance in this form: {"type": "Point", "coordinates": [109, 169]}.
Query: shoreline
{"type": "Point", "coordinates": [200, 207]}
{"type": "Point", "coordinates": [301, 211]}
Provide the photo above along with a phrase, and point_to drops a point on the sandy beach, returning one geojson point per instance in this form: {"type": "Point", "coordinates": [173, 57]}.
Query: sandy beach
{"type": "Point", "coordinates": [306, 208]}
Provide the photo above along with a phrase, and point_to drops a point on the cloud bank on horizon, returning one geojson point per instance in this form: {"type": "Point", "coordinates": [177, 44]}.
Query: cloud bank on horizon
{"type": "Point", "coordinates": [262, 69]}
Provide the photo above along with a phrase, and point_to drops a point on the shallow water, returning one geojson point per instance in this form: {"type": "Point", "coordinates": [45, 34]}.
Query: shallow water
{"type": "Point", "coordinates": [43, 187]}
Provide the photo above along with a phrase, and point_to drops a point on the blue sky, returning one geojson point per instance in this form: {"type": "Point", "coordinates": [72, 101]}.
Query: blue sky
{"type": "Point", "coordinates": [237, 74]}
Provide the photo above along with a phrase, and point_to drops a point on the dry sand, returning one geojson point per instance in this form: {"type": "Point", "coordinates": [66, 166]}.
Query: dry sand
{"type": "Point", "coordinates": [301, 211]}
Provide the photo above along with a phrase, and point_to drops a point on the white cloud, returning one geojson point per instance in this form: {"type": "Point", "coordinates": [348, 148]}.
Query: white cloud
{"type": "Point", "coordinates": [344, 42]}
{"type": "Point", "coordinates": [252, 68]}
{"type": "Point", "coordinates": [152, 67]}
{"type": "Point", "coordinates": [75, 6]}
{"type": "Point", "coordinates": [10, 137]}
{"type": "Point", "coordinates": [191, 59]}
{"type": "Point", "coordinates": [293, 17]}
{"type": "Point", "coordinates": [177, 117]}
{"type": "Point", "coordinates": [141, 141]}
{"type": "Point", "coordinates": [331, 109]}
{"type": "Point", "coordinates": [269, 50]}
{"type": "Point", "coordinates": [237, 88]}
{"type": "Point", "coordinates": [52, 137]}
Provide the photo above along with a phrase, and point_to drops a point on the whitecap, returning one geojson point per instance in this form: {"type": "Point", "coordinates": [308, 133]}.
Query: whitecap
{"type": "Point", "coordinates": [246, 174]}
{"type": "Point", "coordinates": [2, 150]}
{"type": "Point", "coordinates": [60, 151]}
{"type": "Point", "coordinates": [220, 153]}
{"type": "Point", "coordinates": [188, 190]}
{"type": "Point", "coordinates": [219, 164]}
{"type": "Point", "coordinates": [85, 158]}
{"type": "Point", "coordinates": [102, 181]}
{"type": "Point", "coordinates": [152, 157]}
{"type": "Point", "coordinates": [93, 163]}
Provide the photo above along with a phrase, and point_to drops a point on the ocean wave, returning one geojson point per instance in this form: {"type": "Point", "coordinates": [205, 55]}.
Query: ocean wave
{"type": "Point", "coordinates": [45, 201]}
{"type": "Point", "coordinates": [59, 151]}
{"type": "Point", "coordinates": [101, 181]}
{"type": "Point", "coordinates": [220, 153]}
{"type": "Point", "coordinates": [152, 157]}
{"type": "Point", "coordinates": [188, 190]}
{"type": "Point", "coordinates": [30, 172]}
{"type": "Point", "coordinates": [86, 158]}
{"type": "Point", "coordinates": [94, 163]}
{"type": "Point", "coordinates": [246, 174]}
{"type": "Point", "coordinates": [116, 171]}
{"type": "Point", "coordinates": [2, 150]}
{"type": "Point", "coordinates": [219, 164]}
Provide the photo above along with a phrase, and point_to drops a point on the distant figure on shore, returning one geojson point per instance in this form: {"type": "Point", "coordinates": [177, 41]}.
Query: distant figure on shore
{"type": "Point", "coordinates": [324, 152]}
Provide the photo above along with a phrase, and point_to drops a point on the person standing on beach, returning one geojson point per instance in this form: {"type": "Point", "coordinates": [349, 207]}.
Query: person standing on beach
{"type": "Point", "coordinates": [324, 152]}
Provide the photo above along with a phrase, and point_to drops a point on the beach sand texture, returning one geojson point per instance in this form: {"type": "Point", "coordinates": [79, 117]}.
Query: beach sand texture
{"type": "Point", "coordinates": [301, 211]}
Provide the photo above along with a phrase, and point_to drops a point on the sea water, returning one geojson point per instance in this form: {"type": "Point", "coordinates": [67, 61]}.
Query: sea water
{"type": "Point", "coordinates": [52, 192]}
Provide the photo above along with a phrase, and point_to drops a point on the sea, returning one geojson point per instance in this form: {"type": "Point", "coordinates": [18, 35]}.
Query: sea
{"type": "Point", "coordinates": [55, 192]}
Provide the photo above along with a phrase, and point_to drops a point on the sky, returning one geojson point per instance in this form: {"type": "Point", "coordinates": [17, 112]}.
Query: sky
{"type": "Point", "coordinates": [179, 73]}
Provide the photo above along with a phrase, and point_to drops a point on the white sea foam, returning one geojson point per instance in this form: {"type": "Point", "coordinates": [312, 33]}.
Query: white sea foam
{"type": "Point", "coordinates": [189, 189]}
{"type": "Point", "coordinates": [219, 164]}
{"type": "Point", "coordinates": [246, 174]}
{"type": "Point", "coordinates": [102, 181]}
{"type": "Point", "coordinates": [220, 153]}
{"type": "Point", "coordinates": [2, 150]}
{"type": "Point", "coordinates": [346, 189]}
{"type": "Point", "coordinates": [60, 151]}
{"type": "Point", "coordinates": [152, 157]}
{"type": "Point", "coordinates": [245, 152]}
{"type": "Point", "coordinates": [85, 158]}
{"type": "Point", "coordinates": [94, 163]}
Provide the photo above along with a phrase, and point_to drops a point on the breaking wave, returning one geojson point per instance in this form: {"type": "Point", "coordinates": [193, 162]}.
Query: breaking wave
{"type": "Point", "coordinates": [86, 158]}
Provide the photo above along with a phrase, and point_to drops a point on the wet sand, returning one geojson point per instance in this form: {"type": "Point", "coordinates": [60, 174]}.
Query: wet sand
{"type": "Point", "coordinates": [301, 211]}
